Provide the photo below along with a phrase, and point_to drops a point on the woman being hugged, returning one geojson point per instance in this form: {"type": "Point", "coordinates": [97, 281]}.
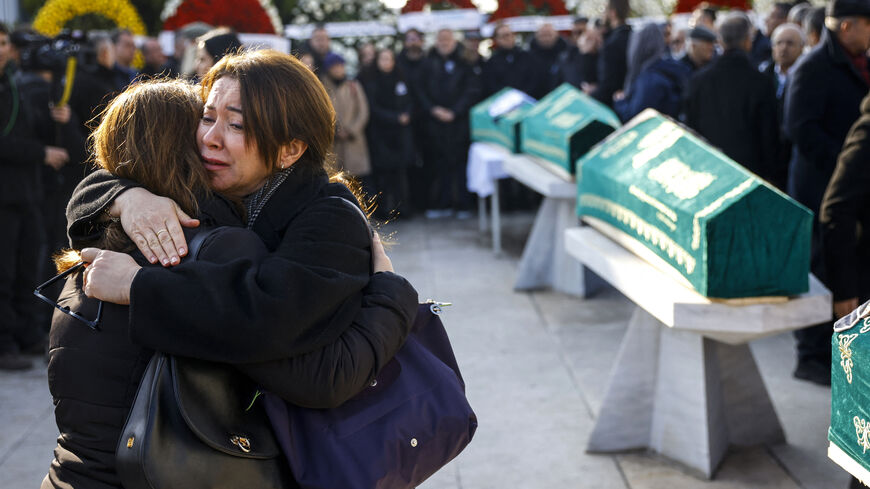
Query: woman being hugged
{"type": "Point", "coordinates": [291, 303]}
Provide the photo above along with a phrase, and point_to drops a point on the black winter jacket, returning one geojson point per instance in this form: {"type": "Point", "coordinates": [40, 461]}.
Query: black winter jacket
{"type": "Point", "coordinates": [311, 356]}
{"type": "Point", "coordinates": [845, 215]}
{"type": "Point", "coordinates": [390, 143]}
{"type": "Point", "coordinates": [733, 105]}
{"type": "Point", "coordinates": [513, 68]}
{"type": "Point", "coordinates": [612, 64]}
{"type": "Point", "coordinates": [822, 101]}
{"type": "Point", "coordinates": [22, 154]}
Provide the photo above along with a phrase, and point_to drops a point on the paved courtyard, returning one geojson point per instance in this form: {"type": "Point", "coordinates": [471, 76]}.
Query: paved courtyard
{"type": "Point", "coordinates": [536, 365]}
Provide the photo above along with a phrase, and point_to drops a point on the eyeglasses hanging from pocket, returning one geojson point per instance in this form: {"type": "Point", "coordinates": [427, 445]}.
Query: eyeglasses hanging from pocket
{"type": "Point", "coordinates": [92, 323]}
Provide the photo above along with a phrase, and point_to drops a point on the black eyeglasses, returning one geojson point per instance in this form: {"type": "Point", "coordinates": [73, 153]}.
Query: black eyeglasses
{"type": "Point", "coordinates": [92, 323]}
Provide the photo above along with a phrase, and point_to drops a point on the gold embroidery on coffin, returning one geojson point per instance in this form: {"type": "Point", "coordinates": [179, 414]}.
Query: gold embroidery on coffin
{"type": "Point", "coordinates": [655, 142]}
{"type": "Point", "coordinates": [679, 180]}
{"type": "Point", "coordinates": [866, 326]}
{"type": "Point", "coordinates": [665, 214]}
{"type": "Point", "coordinates": [492, 133]}
{"type": "Point", "coordinates": [845, 342]}
{"type": "Point", "coordinates": [862, 430]}
{"type": "Point", "coordinates": [643, 229]}
{"type": "Point", "coordinates": [715, 205]}
{"type": "Point", "coordinates": [546, 149]}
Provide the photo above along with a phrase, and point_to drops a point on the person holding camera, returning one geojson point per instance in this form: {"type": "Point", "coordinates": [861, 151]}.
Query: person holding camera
{"type": "Point", "coordinates": [22, 157]}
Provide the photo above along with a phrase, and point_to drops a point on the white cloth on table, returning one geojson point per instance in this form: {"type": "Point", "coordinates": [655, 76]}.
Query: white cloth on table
{"type": "Point", "coordinates": [485, 167]}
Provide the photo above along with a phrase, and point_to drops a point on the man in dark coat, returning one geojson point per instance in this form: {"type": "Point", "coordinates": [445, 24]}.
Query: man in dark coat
{"type": "Point", "coordinates": [762, 45]}
{"type": "Point", "coordinates": [546, 48]}
{"type": "Point", "coordinates": [700, 48]}
{"type": "Point", "coordinates": [788, 44]}
{"type": "Point", "coordinates": [22, 156]}
{"type": "Point", "coordinates": [845, 220]}
{"type": "Point", "coordinates": [410, 63]}
{"type": "Point", "coordinates": [822, 102]}
{"type": "Point", "coordinates": [612, 65]}
{"type": "Point", "coordinates": [578, 65]}
{"type": "Point", "coordinates": [509, 65]}
{"type": "Point", "coordinates": [448, 88]}
{"type": "Point", "coordinates": [733, 105]}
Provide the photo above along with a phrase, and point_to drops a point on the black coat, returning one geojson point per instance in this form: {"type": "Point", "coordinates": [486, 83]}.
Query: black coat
{"type": "Point", "coordinates": [390, 143]}
{"type": "Point", "coordinates": [513, 68]}
{"type": "Point", "coordinates": [449, 82]}
{"type": "Point", "coordinates": [822, 101]}
{"type": "Point", "coordinates": [93, 376]}
{"type": "Point", "coordinates": [733, 106]}
{"type": "Point", "coordinates": [577, 68]}
{"type": "Point", "coordinates": [22, 154]}
{"type": "Point", "coordinates": [547, 65]}
{"type": "Point", "coordinates": [845, 215]}
{"type": "Point", "coordinates": [612, 64]}
{"type": "Point", "coordinates": [784, 153]}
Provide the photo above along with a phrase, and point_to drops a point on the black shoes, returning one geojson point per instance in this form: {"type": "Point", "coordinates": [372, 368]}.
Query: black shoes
{"type": "Point", "coordinates": [814, 371]}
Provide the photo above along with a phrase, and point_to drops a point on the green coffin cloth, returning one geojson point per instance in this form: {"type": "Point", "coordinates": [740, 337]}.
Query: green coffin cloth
{"type": "Point", "coordinates": [728, 233]}
{"type": "Point", "coordinates": [562, 126]}
{"type": "Point", "coordinates": [850, 392]}
{"type": "Point", "coordinates": [497, 119]}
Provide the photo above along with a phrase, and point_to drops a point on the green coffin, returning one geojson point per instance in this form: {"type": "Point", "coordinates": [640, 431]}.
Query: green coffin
{"type": "Point", "coordinates": [497, 119]}
{"type": "Point", "coordinates": [850, 393]}
{"type": "Point", "coordinates": [562, 126]}
{"type": "Point", "coordinates": [720, 227]}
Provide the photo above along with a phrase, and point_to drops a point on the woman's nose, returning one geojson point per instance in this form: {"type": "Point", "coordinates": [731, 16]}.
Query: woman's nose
{"type": "Point", "coordinates": [212, 137]}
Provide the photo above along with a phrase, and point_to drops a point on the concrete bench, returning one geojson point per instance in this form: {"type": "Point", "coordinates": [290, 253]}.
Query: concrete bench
{"type": "Point", "coordinates": [545, 263]}
{"type": "Point", "coordinates": [684, 382]}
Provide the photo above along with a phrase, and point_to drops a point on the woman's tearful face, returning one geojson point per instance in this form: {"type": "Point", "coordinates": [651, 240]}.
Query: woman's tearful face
{"type": "Point", "coordinates": [235, 168]}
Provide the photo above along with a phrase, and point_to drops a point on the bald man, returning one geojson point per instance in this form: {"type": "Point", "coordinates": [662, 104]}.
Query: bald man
{"type": "Point", "coordinates": [788, 44]}
{"type": "Point", "coordinates": [546, 48]}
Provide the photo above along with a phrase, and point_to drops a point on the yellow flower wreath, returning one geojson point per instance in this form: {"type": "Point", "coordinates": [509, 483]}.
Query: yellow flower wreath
{"type": "Point", "coordinates": [55, 14]}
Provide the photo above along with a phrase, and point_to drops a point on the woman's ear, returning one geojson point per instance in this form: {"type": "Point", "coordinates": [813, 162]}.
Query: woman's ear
{"type": "Point", "coordinates": [290, 153]}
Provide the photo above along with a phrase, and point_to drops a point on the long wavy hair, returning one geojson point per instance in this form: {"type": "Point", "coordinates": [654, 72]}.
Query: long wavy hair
{"type": "Point", "coordinates": [148, 134]}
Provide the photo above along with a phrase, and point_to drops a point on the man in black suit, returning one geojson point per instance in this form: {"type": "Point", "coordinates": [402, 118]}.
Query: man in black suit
{"type": "Point", "coordinates": [788, 44]}
{"type": "Point", "coordinates": [733, 105]}
{"type": "Point", "coordinates": [612, 64]}
{"type": "Point", "coordinates": [822, 102]}
{"type": "Point", "coordinates": [700, 48]}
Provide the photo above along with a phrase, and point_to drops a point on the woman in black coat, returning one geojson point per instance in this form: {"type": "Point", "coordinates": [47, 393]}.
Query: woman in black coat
{"type": "Point", "coordinates": [390, 141]}
{"type": "Point", "coordinates": [323, 356]}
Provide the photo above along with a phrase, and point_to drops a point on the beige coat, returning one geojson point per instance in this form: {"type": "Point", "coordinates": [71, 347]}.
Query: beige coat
{"type": "Point", "coordinates": [352, 115]}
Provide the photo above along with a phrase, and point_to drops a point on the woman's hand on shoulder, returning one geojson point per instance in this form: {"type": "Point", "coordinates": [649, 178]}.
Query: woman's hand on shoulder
{"type": "Point", "coordinates": [154, 224]}
{"type": "Point", "coordinates": [109, 275]}
{"type": "Point", "coordinates": [381, 261]}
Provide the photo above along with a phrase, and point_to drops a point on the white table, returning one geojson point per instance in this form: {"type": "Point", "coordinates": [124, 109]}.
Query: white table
{"type": "Point", "coordinates": [484, 169]}
{"type": "Point", "coordinates": [545, 262]}
{"type": "Point", "coordinates": [684, 382]}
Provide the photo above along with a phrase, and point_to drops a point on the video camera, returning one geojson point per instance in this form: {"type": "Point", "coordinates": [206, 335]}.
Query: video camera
{"type": "Point", "coordinates": [41, 53]}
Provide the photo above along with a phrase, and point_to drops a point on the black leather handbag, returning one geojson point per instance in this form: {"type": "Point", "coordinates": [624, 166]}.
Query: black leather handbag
{"type": "Point", "coordinates": [193, 425]}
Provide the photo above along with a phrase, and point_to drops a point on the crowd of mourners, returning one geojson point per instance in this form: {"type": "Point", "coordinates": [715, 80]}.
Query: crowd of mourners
{"type": "Point", "coordinates": [778, 96]}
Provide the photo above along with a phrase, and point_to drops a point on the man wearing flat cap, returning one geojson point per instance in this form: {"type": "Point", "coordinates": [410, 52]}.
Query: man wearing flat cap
{"type": "Point", "coordinates": [700, 47]}
{"type": "Point", "coordinates": [822, 102]}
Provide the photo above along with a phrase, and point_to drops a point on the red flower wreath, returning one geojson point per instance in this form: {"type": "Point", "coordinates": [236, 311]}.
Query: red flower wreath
{"type": "Point", "coordinates": [686, 6]}
{"type": "Point", "coordinates": [417, 5]}
{"type": "Point", "coordinates": [241, 15]}
{"type": "Point", "coordinates": [516, 8]}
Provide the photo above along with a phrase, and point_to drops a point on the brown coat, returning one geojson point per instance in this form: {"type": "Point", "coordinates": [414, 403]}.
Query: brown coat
{"type": "Point", "coordinates": [352, 115]}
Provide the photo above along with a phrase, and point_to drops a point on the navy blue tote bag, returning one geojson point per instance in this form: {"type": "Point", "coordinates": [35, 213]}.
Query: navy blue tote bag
{"type": "Point", "coordinates": [410, 422]}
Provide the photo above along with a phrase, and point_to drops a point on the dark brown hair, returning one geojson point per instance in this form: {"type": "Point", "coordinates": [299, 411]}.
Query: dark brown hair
{"type": "Point", "coordinates": [148, 134]}
{"type": "Point", "coordinates": [282, 100]}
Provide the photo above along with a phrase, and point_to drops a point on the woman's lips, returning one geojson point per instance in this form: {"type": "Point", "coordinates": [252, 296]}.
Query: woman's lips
{"type": "Point", "coordinates": [212, 164]}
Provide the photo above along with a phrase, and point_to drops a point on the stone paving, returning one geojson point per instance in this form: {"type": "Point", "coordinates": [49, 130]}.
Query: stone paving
{"type": "Point", "coordinates": [536, 365]}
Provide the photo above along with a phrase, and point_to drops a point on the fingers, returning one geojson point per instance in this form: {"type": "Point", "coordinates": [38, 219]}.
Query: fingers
{"type": "Point", "coordinates": [380, 260]}
{"type": "Point", "coordinates": [88, 254]}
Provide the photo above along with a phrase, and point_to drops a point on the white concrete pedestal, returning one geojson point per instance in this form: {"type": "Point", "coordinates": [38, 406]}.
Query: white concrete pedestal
{"type": "Point", "coordinates": [545, 262]}
{"type": "Point", "coordinates": [684, 382]}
